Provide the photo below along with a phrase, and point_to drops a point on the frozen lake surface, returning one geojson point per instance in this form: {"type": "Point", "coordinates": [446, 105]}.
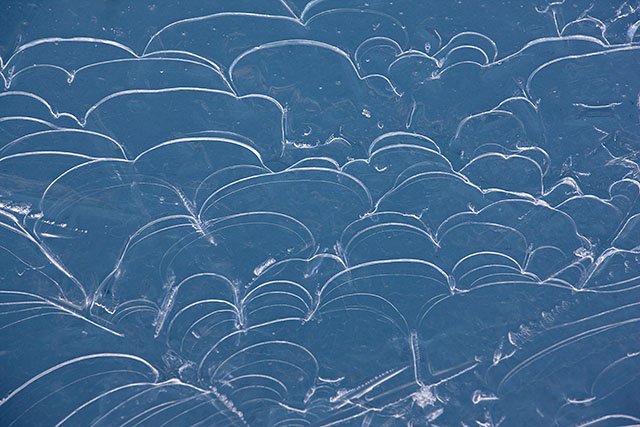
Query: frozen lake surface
{"type": "Point", "coordinates": [327, 212]}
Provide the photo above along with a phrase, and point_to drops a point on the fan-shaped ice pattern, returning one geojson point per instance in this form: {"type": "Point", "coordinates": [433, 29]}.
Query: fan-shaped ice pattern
{"type": "Point", "coordinates": [294, 212]}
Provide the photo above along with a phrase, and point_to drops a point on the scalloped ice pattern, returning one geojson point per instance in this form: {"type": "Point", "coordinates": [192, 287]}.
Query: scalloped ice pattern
{"type": "Point", "coordinates": [317, 213]}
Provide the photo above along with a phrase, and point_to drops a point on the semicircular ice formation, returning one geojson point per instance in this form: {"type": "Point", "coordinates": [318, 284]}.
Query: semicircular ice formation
{"type": "Point", "coordinates": [327, 212]}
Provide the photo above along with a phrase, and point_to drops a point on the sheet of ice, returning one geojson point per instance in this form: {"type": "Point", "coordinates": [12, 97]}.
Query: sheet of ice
{"type": "Point", "coordinates": [327, 212]}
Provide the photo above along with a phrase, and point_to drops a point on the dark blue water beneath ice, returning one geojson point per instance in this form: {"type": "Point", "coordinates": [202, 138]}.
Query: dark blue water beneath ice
{"type": "Point", "coordinates": [327, 212]}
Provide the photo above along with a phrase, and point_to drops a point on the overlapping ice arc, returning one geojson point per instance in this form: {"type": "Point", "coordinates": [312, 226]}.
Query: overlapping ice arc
{"type": "Point", "coordinates": [320, 213]}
